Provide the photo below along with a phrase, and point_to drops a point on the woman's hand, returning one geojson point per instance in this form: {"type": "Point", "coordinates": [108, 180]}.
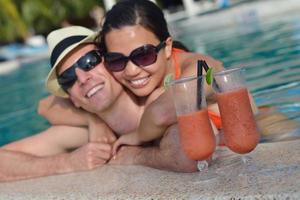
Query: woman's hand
{"type": "Point", "coordinates": [128, 139]}
{"type": "Point", "coordinates": [99, 131]}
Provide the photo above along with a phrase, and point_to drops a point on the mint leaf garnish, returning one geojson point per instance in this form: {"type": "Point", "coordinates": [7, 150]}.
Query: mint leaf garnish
{"type": "Point", "coordinates": [209, 76]}
{"type": "Point", "coordinates": [167, 81]}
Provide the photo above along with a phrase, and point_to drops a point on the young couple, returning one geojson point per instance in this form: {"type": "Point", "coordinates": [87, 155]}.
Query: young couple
{"type": "Point", "coordinates": [123, 91]}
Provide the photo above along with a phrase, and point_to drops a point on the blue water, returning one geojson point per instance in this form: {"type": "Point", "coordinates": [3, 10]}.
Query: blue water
{"type": "Point", "coordinates": [20, 92]}
{"type": "Point", "coordinates": [269, 50]}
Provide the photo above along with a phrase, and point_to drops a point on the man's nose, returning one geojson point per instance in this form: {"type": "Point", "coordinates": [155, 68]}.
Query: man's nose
{"type": "Point", "coordinates": [82, 76]}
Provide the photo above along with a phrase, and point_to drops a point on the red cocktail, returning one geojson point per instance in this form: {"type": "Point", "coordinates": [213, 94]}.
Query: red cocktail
{"type": "Point", "coordinates": [196, 134]}
{"type": "Point", "coordinates": [197, 137]}
{"type": "Point", "coordinates": [239, 126]}
{"type": "Point", "coordinates": [240, 131]}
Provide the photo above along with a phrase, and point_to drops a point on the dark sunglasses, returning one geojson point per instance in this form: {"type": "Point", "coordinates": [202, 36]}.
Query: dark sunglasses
{"type": "Point", "coordinates": [87, 62]}
{"type": "Point", "coordinates": [141, 56]}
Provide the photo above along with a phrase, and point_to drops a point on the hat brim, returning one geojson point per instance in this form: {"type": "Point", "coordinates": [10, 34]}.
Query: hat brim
{"type": "Point", "coordinates": [51, 81]}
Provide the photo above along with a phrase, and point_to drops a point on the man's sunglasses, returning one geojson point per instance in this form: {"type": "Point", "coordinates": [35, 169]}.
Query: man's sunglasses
{"type": "Point", "coordinates": [141, 56]}
{"type": "Point", "coordinates": [87, 62]}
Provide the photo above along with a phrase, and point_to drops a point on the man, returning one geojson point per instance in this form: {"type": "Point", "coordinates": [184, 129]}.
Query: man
{"type": "Point", "coordinates": [89, 86]}
{"type": "Point", "coordinates": [47, 153]}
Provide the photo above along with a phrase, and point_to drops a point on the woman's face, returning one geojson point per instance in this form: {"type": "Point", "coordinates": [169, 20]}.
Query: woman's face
{"type": "Point", "coordinates": [142, 81]}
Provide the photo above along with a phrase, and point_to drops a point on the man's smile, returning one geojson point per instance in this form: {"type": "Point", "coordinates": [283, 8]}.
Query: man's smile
{"type": "Point", "coordinates": [94, 90]}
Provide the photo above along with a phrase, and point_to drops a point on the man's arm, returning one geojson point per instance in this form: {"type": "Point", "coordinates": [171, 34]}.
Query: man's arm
{"type": "Point", "coordinates": [18, 165]}
{"type": "Point", "coordinates": [52, 141]}
{"type": "Point", "coordinates": [167, 156]}
{"type": "Point", "coordinates": [47, 154]}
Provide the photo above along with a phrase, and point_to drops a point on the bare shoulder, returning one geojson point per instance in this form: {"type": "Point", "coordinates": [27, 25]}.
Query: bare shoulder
{"type": "Point", "coordinates": [154, 95]}
{"type": "Point", "coordinates": [188, 61]}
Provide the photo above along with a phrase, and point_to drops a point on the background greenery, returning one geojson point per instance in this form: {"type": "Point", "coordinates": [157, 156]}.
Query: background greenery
{"type": "Point", "coordinates": [20, 18]}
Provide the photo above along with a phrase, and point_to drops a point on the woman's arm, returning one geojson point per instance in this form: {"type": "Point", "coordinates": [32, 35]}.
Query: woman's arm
{"type": "Point", "coordinates": [157, 117]}
{"type": "Point", "coordinates": [61, 111]}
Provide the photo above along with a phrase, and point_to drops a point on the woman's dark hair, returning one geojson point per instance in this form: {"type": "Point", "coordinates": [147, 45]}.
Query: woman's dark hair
{"type": "Point", "coordinates": [179, 45]}
{"type": "Point", "coordinates": [136, 12]}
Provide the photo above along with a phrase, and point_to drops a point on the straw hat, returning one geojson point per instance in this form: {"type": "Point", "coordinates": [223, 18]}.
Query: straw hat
{"type": "Point", "coordinates": [61, 42]}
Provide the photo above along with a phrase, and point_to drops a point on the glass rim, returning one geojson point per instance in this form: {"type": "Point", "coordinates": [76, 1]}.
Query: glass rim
{"type": "Point", "coordinates": [227, 71]}
{"type": "Point", "coordinates": [185, 79]}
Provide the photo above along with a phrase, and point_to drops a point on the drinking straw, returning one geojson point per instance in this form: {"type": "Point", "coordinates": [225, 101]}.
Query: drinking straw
{"type": "Point", "coordinates": [205, 66]}
{"type": "Point", "coordinates": [199, 82]}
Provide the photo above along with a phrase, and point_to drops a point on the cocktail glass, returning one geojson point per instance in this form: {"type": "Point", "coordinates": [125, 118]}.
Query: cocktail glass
{"type": "Point", "coordinates": [196, 133]}
{"type": "Point", "coordinates": [239, 127]}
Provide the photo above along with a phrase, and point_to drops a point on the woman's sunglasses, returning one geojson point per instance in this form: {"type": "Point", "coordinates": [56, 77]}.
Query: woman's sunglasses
{"type": "Point", "coordinates": [141, 56]}
{"type": "Point", "coordinates": [87, 62]}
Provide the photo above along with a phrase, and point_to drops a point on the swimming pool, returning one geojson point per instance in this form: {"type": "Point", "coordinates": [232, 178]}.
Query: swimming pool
{"type": "Point", "coordinates": [268, 48]}
{"type": "Point", "coordinates": [20, 91]}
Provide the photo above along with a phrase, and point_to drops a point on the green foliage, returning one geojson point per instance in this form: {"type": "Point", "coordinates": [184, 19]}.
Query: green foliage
{"type": "Point", "coordinates": [11, 24]}
{"type": "Point", "coordinates": [19, 17]}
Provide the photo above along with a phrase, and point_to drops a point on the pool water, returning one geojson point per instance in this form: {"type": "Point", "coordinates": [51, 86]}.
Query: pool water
{"type": "Point", "coordinates": [268, 49]}
{"type": "Point", "coordinates": [20, 92]}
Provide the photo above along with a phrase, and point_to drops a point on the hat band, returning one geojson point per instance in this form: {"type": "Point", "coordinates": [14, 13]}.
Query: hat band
{"type": "Point", "coordinates": [62, 45]}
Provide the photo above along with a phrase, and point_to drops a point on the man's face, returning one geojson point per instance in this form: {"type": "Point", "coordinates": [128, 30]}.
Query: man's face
{"type": "Point", "coordinates": [94, 90]}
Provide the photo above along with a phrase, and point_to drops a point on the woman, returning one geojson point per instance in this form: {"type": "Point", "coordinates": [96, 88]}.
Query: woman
{"type": "Point", "coordinates": [140, 53]}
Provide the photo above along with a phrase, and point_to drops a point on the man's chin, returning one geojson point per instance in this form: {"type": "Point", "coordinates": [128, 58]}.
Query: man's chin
{"type": "Point", "coordinates": [98, 105]}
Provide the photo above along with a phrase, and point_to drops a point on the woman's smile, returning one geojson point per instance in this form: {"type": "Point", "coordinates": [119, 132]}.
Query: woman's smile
{"type": "Point", "coordinates": [139, 83]}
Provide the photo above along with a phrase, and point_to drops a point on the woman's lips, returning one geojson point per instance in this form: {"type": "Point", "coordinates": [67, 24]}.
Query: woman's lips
{"type": "Point", "coordinates": [138, 83]}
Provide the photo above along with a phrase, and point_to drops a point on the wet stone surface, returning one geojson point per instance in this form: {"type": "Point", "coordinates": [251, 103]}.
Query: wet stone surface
{"type": "Point", "coordinates": [272, 173]}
